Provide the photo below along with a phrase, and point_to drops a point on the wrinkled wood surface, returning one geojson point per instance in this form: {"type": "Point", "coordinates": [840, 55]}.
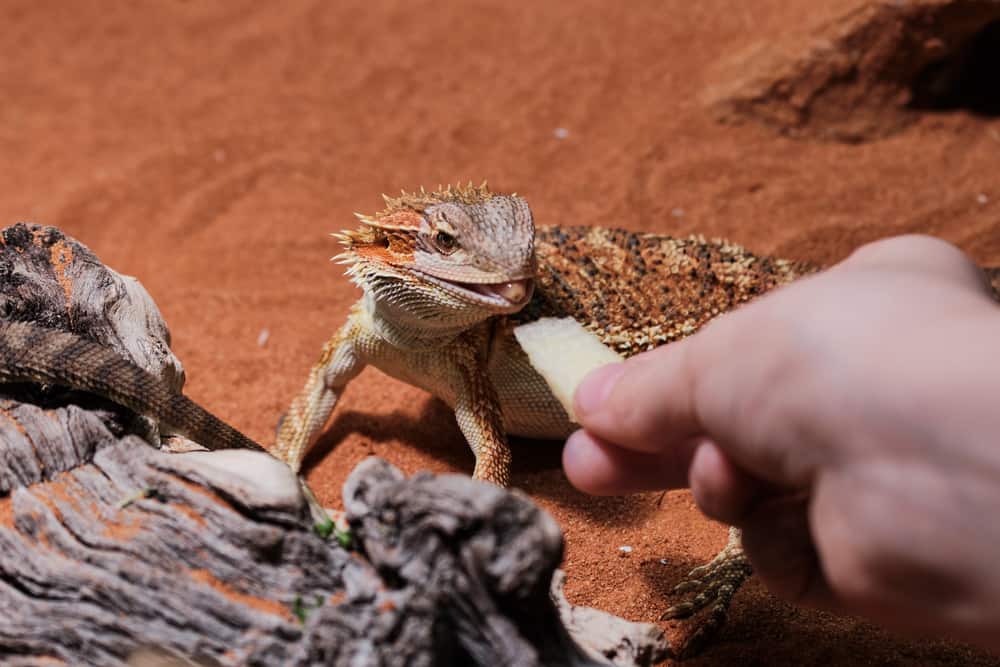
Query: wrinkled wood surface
{"type": "Point", "coordinates": [113, 551]}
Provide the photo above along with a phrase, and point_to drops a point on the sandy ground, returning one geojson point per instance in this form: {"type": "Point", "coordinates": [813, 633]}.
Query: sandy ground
{"type": "Point", "coordinates": [209, 149]}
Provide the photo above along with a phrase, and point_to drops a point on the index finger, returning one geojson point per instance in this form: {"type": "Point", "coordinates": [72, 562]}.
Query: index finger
{"type": "Point", "coordinates": [645, 404]}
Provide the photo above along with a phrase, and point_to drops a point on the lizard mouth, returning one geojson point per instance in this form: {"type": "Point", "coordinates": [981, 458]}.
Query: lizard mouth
{"type": "Point", "coordinates": [514, 292]}
{"type": "Point", "coordinates": [507, 295]}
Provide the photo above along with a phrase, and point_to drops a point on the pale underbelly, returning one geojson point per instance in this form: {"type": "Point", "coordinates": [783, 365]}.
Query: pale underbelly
{"type": "Point", "coordinates": [529, 408]}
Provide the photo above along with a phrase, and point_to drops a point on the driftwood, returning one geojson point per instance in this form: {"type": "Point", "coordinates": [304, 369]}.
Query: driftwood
{"type": "Point", "coordinates": [112, 552]}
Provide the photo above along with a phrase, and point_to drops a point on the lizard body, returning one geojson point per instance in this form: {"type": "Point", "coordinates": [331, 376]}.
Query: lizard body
{"type": "Point", "coordinates": [447, 275]}
{"type": "Point", "coordinates": [37, 354]}
{"type": "Point", "coordinates": [440, 318]}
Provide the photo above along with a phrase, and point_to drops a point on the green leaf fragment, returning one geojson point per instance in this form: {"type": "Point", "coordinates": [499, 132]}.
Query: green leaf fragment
{"type": "Point", "coordinates": [344, 538]}
{"type": "Point", "coordinates": [324, 528]}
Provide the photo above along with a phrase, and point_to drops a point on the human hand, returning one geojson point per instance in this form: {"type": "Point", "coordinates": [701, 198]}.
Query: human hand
{"type": "Point", "coordinates": [848, 423]}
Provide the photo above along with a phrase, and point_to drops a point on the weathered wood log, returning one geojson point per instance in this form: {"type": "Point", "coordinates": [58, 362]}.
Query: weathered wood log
{"type": "Point", "coordinates": [112, 552]}
{"type": "Point", "coordinates": [57, 282]}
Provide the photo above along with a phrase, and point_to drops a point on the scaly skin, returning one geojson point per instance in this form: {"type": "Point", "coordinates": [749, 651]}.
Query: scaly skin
{"type": "Point", "coordinates": [32, 353]}
{"type": "Point", "coordinates": [35, 354]}
{"type": "Point", "coordinates": [438, 312]}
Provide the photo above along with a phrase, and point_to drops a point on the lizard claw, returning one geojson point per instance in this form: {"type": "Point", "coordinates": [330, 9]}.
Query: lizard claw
{"type": "Point", "coordinates": [710, 586]}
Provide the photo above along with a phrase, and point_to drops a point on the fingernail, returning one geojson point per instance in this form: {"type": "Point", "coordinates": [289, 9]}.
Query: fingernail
{"type": "Point", "coordinates": [571, 451]}
{"type": "Point", "coordinates": [596, 387]}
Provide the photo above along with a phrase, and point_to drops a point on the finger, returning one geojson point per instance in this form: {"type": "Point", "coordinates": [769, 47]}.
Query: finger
{"type": "Point", "coordinates": [916, 253]}
{"type": "Point", "coordinates": [722, 490]}
{"type": "Point", "coordinates": [778, 541]}
{"type": "Point", "coordinates": [598, 468]}
{"type": "Point", "coordinates": [644, 404]}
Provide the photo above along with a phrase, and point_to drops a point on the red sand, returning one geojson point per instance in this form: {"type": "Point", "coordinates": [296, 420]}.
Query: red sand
{"type": "Point", "coordinates": [209, 150]}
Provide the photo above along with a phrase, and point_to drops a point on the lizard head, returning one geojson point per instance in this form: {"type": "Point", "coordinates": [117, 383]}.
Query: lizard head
{"type": "Point", "coordinates": [463, 248]}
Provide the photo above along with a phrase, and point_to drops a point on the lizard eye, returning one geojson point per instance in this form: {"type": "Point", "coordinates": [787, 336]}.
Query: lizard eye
{"type": "Point", "coordinates": [445, 242]}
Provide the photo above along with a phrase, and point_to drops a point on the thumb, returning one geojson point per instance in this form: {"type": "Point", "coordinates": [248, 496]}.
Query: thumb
{"type": "Point", "coordinates": [645, 404]}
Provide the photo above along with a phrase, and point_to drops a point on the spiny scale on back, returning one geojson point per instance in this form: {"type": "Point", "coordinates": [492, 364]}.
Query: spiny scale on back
{"type": "Point", "coordinates": [637, 291]}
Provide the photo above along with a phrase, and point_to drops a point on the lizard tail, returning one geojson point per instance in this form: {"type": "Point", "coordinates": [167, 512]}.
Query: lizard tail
{"type": "Point", "coordinates": [32, 353]}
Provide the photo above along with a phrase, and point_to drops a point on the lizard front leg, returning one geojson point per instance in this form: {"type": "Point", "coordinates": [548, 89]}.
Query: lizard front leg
{"type": "Point", "coordinates": [338, 364]}
{"type": "Point", "coordinates": [477, 410]}
{"type": "Point", "coordinates": [713, 586]}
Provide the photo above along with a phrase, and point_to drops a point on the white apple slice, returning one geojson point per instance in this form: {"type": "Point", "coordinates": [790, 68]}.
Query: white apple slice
{"type": "Point", "coordinates": [563, 353]}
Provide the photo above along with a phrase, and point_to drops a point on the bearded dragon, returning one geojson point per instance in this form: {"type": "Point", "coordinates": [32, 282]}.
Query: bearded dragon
{"type": "Point", "coordinates": [447, 275]}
